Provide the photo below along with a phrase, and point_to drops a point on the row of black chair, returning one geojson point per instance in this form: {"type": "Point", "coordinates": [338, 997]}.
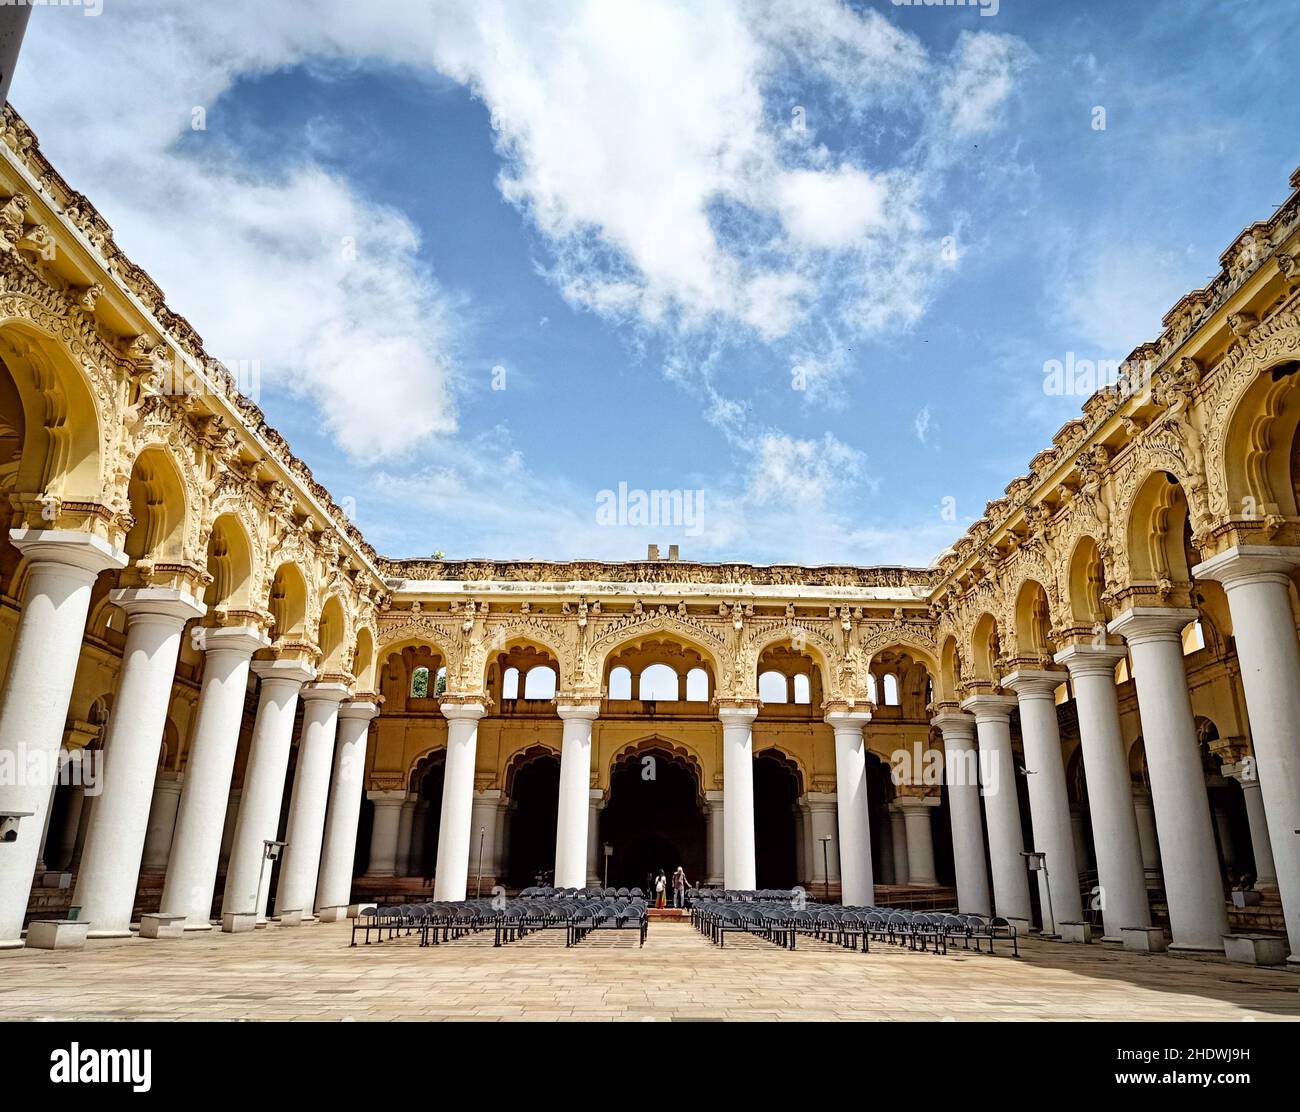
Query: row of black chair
{"type": "Point", "coordinates": [438, 922]}
{"type": "Point", "coordinates": [581, 893]}
{"type": "Point", "coordinates": [851, 927]}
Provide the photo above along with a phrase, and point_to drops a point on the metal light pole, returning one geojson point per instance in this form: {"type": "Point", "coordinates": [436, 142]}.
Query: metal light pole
{"type": "Point", "coordinates": [825, 840]}
{"type": "Point", "coordinates": [609, 852]}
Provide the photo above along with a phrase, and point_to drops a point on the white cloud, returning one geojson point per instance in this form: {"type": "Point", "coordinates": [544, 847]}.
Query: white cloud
{"type": "Point", "coordinates": [921, 424]}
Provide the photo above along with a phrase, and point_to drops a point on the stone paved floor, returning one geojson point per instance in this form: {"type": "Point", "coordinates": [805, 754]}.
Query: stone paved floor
{"type": "Point", "coordinates": [310, 973]}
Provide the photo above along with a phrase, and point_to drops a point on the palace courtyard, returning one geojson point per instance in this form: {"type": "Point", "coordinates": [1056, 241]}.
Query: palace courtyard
{"type": "Point", "coordinates": [314, 975]}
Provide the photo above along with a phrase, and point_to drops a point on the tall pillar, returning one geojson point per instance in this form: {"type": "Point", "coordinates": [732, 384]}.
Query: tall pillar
{"type": "Point", "coordinates": [1148, 840]}
{"type": "Point", "coordinates": [1049, 801]}
{"type": "Point", "coordinates": [961, 774]}
{"type": "Point", "coordinates": [201, 815]}
{"type": "Point", "coordinates": [71, 824]}
{"type": "Point", "coordinates": [1078, 828]}
{"type": "Point", "coordinates": [1237, 766]}
{"type": "Point", "coordinates": [258, 822]}
{"type": "Point", "coordinates": [1197, 917]}
{"type": "Point", "coordinates": [575, 794]}
{"type": "Point", "coordinates": [110, 865]}
{"type": "Point", "coordinates": [1223, 830]}
{"type": "Point", "coordinates": [595, 855]}
{"type": "Point", "coordinates": [1002, 806]}
{"type": "Point", "coordinates": [228, 827]}
{"type": "Point", "coordinates": [343, 815]}
{"type": "Point", "coordinates": [825, 840]}
{"type": "Point", "coordinates": [483, 828]}
{"type": "Point", "coordinates": [916, 810]}
{"type": "Point", "coordinates": [1257, 582]}
{"type": "Point", "coordinates": [161, 828]}
{"type": "Point", "coordinates": [305, 832]}
{"type": "Point", "coordinates": [383, 831]}
{"type": "Point", "coordinates": [857, 888]}
{"type": "Point", "coordinates": [457, 799]}
{"type": "Point", "coordinates": [62, 567]}
{"type": "Point", "coordinates": [898, 841]}
{"type": "Point", "coordinates": [500, 842]}
{"type": "Point", "coordinates": [716, 808]}
{"type": "Point", "coordinates": [739, 863]}
{"type": "Point", "coordinates": [405, 824]}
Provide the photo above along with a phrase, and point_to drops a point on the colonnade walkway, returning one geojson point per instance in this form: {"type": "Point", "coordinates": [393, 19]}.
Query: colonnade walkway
{"type": "Point", "coordinates": [311, 973]}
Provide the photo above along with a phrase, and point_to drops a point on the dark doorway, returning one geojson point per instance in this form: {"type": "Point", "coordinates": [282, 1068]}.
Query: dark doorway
{"type": "Point", "coordinates": [535, 793]}
{"type": "Point", "coordinates": [429, 775]}
{"type": "Point", "coordinates": [776, 794]}
{"type": "Point", "coordinates": [654, 820]}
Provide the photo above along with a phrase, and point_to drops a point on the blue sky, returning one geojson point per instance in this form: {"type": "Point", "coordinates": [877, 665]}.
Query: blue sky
{"type": "Point", "coordinates": [806, 258]}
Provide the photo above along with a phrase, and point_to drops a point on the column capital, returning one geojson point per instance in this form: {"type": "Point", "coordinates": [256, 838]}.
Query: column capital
{"type": "Point", "coordinates": [359, 708]}
{"type": "Point", "coordinates": [1246, 563]}
{"type": "Point", "coordinates": [1152, 623]}
{"type": "Point", "coordinates": [990, 707]}
{"type": "Point", "coordinates": [581, 711]}
{"type": "Point", "coordinates": [1031, 683]}
{"type": "Point", "coordinates": [469, 709]}
{"type": "Point", "coordinates": [327, 691]}
{"type": "Point", "coordinates": [737, 712]}
{"type": "Point", "coordinates": [388, 797]}
{"type": "Point", "coordinates": [1090, 659]}
{"type": "Point", "coordinates": [170, 604]}
{"type": "Point", "coordinates": [957, 724]}
{"type": "Point", "coordinates": [842, 719]}
{"type": "Point", "coordinates": [284, 670]}
{"type": "Point", "coordinates": [907, 803]}
{"type": "Point", "coordinates": [246, 639]}
{"type": "Point", "coordinates": [69, 548]}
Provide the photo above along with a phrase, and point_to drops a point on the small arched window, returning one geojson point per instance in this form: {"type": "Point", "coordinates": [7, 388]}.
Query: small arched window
{"type": "Point", "coordinates": [540, 683]}
{"type": "Point", "coordinates": [697, 686]}
{"type": "Point", "coordinates": [873, 692]}
{"type": "Point", "coordinates": [658, 682]}
{"type": "Point", "coordinates": [440, 682]}
{"type": "Point", "coordinates": [510, 684]}
{"type": "Point", "coordinates": [773, 687]}
{"type": "Point", "coordinates": [891, 689]}
{"type": "Point", "coordinates": [1193, 638]}
{"type": "Point", "coordinates": [420, 683]}
{"type": "Point", "coordinates": [802, 689]}
{"type": "Point", "coordinates": [620, 683]}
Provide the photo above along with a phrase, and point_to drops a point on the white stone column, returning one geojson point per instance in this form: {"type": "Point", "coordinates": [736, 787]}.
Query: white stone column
{"type": "Point", "coordinates": [1001, 806]}
{"type": "Point", "coordinates": [575, 794]}
{"type": "Point", "coordinates": [383, 831]}
{"type": "Point", "coordinates": [1078, 828]}
{"type": "Point", "coordinates": [1148, 840]}
{"type": "Point", "coordinates": [305, 833]}
{"type": "Point", "coordinates": [228, 827]}
{"type": "Point", "coordinates": [201, 815]}
{"type": "Point", "coordinates": [716, 815]}
{"type": "Point", "coordinates": [739, 862]}
{"type": "Point", "coordinates": [72, 823]}
{"type": "Point", "coordinates": [110, 865]}
{"type": "Point", "coordinates": [62, 567]}
{"type": "Point", "coordinates": [898, 843]}
{"type": "Point", "coordinates": [1197, 916]}
{"type": "Point", "coordinates": [1257, 583]}
{"type": "Point", "coordinates": [920, 838]}
{"type": "Point", "coordinates": [1049, 800]}
{"type": "Point", "coordinates": [258, 822]}
{"type": "Point", "coordinates": [339, 852]}
{"type": "Point", "coordinates": [961, 773]}
{"type": "Point", "coordinates": [483, 828]}
{"type": "Point", "coordinates": [857, 885]}
{"type": "Point", "coordinates": [501, 840]}
{"type": "Point", "coordinates": [161, 829]}
{"type": "Point", "coordinates": [449, 882]}
{"type": "Point", "coordinates": [809, 843]}
{"type": "Point", "coordinates": [595, 854]}
{"type": "Point", "coordinates": [826, 854]}
{"type": "Point", "coordinates": [1261, 845]}
{"type": "Point", "coordinates": [885, 829]}
{"type": "Point", "coordinates": [405, 824]}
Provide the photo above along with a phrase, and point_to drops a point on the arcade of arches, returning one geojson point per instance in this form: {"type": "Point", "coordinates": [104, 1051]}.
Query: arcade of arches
{"type": "Point", "coordinates": [221, 704]}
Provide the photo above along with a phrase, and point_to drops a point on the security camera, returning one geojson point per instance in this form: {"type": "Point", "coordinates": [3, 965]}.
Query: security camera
{"type": "Point", "coordinates": [9, 824]}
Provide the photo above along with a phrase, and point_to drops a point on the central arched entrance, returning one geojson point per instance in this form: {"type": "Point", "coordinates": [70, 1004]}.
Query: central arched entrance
{"type": "Point", "coordinates": [654, 819]}
{"type": "Point", "coordinates": [777, 789]}
{"type": "Point", "coordinates": [533, 784]}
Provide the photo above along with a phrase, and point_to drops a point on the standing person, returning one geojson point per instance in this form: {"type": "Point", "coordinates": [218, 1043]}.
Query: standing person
{"type": "Point", "coordinates": [680, 884]}
{"type": "Point", "coordinates": [661, 890]}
